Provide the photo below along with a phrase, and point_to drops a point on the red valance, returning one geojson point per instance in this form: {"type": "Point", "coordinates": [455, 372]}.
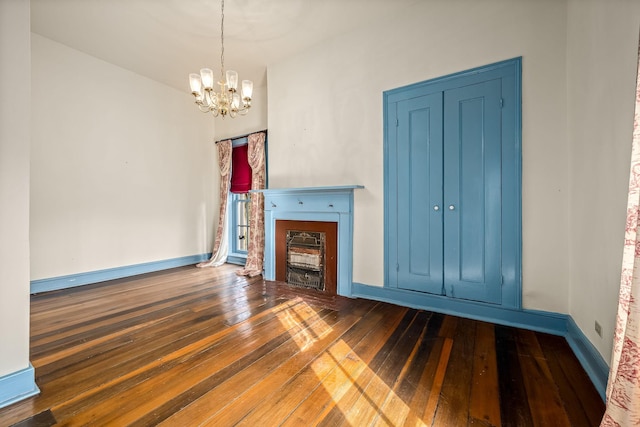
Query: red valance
{"type": "Point", "coordinates": [240, 170]}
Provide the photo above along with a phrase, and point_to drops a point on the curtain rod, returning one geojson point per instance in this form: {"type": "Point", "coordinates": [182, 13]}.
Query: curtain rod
{"type": "Point", "coordinates": [243, 136]}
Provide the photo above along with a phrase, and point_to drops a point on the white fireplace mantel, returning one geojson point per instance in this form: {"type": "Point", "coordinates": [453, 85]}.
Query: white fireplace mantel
{"type": "Point", "coordinates": [328, 204]}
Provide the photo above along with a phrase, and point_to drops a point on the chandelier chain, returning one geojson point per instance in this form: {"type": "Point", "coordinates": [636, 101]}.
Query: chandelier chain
{"type": "Point", "coordinates": [222, 41]}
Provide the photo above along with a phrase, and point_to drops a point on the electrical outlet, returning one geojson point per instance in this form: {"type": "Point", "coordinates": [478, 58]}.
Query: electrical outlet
{"type": "Point", "coordinates": [598, 329]}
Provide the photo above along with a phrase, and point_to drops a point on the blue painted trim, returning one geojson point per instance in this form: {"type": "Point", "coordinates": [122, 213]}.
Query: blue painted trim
{"type": "Point", "coordinates": [237, 142]}
{"type": "Point", "coordinates": [552, 323]}
{"type": "Point", "coordinates": [535, 320]}
{"type": "Point", "coordinates": [237, 260]}
{"type": "Point", "coordinates": [389, 113]}
{"type": "Point", "coordinates": [79, 279]}
{"type": "Point", "coordinates": [448, 81]}
{"type": "Point", "coordinates": [590, 359]}
{"type": "Point", "coordinates": [311, 190]}
{"type": "Point", "coordinates": [517, 62]}
{"type": "Point", "coordinates": [17, 386]}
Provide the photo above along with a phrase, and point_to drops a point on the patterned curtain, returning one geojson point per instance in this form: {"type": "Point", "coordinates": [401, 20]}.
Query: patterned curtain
{"type": "Point", "coordinates": [623, 388]}
{"type": "Point", "coordinates": [255, 255]}
{"type": "Point", "coordinates": [221, 244]}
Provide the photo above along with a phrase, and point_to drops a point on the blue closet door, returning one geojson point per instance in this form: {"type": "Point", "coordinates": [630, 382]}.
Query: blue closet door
{"type": "Point", "coordinates": [472, 192]}
{"type": "Point", "coordinates": [448, 192]}
{"type": "Point", "coordinates": [453, 186]}
{"type": "Point", "coordinates": [419, 194]}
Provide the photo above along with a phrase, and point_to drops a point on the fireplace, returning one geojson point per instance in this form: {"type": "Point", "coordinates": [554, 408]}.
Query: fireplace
{"type": "Point", "coordinates": [313, 205]}
{"type": "Point", "coordinates": [305, 259]}
{"type": "Point", "coordinates": [306, 254]}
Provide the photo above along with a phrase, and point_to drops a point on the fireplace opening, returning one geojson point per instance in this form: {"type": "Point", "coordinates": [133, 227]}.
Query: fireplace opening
{"type": "Point", "coordinates": [305, 259]}
{"type": "Point", "coordinates": [306, 254]}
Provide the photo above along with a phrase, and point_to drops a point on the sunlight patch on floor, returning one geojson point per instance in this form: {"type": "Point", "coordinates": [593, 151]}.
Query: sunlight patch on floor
{"type": "Point", "coordinates": [353, 387]}
{"type": "Point", "coordinates": [346, 377]}
{"type": "Point", "coordinates": [304, 324]}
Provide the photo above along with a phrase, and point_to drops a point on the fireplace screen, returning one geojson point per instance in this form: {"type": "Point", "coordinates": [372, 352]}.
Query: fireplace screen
{"type": "Point", "coordinates": [305, 259]}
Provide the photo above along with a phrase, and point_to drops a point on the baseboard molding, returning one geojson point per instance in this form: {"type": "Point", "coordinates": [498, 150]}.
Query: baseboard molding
{"type": "Point", "coordinates": [17, 386]}
{"type": "Point", "coordinates": [541, 321]}
{"type": "Point", "coordinates": [535, 320]}
{"type": "Point", "coordinates": [590, 359]}
{"type": "Point", "coordinates": [79, 279]}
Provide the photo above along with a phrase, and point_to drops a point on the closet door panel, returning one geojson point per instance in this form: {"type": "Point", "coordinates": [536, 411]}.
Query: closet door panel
{"type": "Point", "coordinates": [419, 194]}
{"type": "Point", "coordinates": [472, 179]}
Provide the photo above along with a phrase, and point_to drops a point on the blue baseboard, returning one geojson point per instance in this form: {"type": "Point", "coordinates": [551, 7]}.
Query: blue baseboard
{"type": "Point", "coordinates": [18, 386]}
{"type": "Point", "coordinates": [541, 321]}
{"type": "Point", "coordinates": [589, 357]}
{"type": "Point", "coordinates": [79, 279]}
{"type": "Point", "coordinates": [535, 320]}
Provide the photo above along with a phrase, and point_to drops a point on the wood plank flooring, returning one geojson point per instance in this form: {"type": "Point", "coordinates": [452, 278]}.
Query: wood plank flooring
{"type": "Point", "coordinates": [189, 347]}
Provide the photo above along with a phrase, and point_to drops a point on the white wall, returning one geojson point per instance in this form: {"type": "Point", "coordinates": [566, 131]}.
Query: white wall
{"type": "Point", "coordinates": [14, 185]}
{"type": "Point", "coordinates": [602, 60]}
{"type": "Point", "coordinates": [325, 125]}
{"type": "Point", "coordinates": [122, 167]}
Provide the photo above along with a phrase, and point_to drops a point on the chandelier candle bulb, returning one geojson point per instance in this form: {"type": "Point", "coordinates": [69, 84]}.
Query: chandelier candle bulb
{"type": "Point", "coordinates": [232, 79]}
{"type": "Point", "coordinates": [207, 78]}
{"type": "Point", "coordinates": [196, 84]}
{"type": "Point", "coordinates": [247, 89]}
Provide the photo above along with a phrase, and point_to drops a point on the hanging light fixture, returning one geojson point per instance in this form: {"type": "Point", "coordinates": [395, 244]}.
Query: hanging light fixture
{"type": "Point", "coordinates": [227, 101]}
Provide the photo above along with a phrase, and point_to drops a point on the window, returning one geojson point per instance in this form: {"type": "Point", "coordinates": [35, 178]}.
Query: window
{"type": "Point", "coordinates": [239, 237]}
{"type": "Point", "coordinates": [239, 203]}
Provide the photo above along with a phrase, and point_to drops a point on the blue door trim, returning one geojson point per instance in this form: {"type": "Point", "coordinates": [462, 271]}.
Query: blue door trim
{"type": "Point", "coordinates": [509, 72]}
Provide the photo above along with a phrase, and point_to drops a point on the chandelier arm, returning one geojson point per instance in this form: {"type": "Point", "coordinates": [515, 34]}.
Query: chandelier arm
{"type": "Point", "coordinates": [204, 108]}
{"type": "Point", "coordinates": [211, 101]}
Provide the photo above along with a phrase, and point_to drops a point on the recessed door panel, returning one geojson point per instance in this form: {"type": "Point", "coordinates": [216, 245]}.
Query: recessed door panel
{"type": "Point", "coordinates": [472, 191]}
{"type": "Point", "coordinates": [419, 194]}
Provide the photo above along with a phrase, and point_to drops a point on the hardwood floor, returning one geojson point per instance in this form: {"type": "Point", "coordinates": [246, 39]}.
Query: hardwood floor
{"type": "Point", "coordinates": [191, 346]}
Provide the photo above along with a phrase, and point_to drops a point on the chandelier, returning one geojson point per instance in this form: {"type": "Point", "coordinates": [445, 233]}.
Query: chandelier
{"type": "Point", "coordinates": [227, 101]}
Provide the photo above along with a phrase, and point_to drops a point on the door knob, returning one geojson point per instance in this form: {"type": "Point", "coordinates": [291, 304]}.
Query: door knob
{"type": "Point", "coordinates": [436, 208]}
{"type": "Point", "coordinates": [451, 207]}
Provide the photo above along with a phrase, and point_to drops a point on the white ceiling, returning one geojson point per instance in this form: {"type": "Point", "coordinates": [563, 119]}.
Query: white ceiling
{"type": "Point", "coordinates": [166, 40]}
